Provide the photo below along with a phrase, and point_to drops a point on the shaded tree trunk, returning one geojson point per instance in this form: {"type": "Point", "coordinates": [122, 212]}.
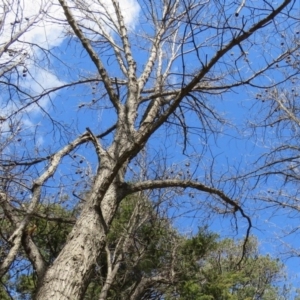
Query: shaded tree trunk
{"type": "Point", "coordinates": [69, 275]}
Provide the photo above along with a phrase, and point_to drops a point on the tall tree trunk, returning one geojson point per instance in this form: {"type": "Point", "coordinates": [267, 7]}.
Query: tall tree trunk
{"type": "Point", "coordinates": [68, 277]}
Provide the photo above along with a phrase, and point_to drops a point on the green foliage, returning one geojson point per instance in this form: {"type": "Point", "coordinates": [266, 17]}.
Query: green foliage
{"type": "Point", "coordinates": [49, 236]}
{"type": "Point", "coordinates": [5, 287]}
{"type": "Point", "coordinates": [218, 275]}
{"type": "Point", "coordinates": [26, 286]}
{"type": "Point", "coordinates": [204, 267]}
{"type": "Point", "coordinates": [148, 250]}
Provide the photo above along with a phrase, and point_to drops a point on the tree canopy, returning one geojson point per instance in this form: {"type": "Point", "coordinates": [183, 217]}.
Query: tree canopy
{"type": "Point", "coordinates": [146, 258]}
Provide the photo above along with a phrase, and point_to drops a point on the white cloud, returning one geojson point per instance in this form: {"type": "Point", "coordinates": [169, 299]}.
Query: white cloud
{"type": "Point", "coordinates": [99, 16]}
{"type": "Point", "coordinates": [24, 24]}
{"type": "Point", "coordinates": [130, 10]}
{"type": "Point", "coordinates": [45, 26]}
{"type": "Point", "coordinates": [36, 19]}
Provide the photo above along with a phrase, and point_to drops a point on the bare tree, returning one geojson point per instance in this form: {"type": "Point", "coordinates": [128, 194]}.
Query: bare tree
{"type": "Point", "coordinates": [276, 174]}
{"type": "Point", "coordinates": [150, 80]}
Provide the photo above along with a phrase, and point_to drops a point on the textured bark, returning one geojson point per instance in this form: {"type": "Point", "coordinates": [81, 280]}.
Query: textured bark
{"type": "Point", "coordinates": [69, 275]}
